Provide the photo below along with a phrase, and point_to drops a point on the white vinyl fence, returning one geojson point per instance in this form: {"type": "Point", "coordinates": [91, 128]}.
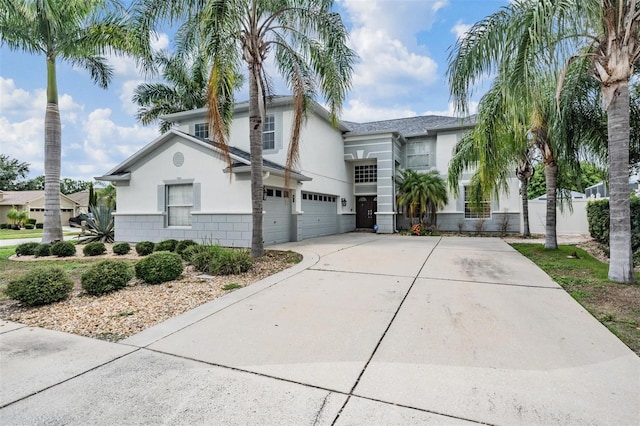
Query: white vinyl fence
{"type": "Point", "coordinates": [568, 222]}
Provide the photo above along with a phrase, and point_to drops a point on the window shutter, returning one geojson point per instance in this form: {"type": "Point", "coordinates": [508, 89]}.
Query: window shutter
{"type": "Point", "coordinates": [161, 200]}
{"type": "Point", "coordinates": [196, 197]}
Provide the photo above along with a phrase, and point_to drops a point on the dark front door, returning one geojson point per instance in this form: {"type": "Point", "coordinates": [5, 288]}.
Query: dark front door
{"type": "Point", "coordinates": [365, 211]}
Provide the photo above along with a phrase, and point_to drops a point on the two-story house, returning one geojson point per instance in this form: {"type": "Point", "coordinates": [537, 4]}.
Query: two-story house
{"type": "Point", "coordinates": [179, 186]}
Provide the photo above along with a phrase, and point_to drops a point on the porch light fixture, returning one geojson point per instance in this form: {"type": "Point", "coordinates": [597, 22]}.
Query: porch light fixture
{"type": "Point", "coordinates": [264, 194]}
{"type": "Point", "coordinates": [343, 202]}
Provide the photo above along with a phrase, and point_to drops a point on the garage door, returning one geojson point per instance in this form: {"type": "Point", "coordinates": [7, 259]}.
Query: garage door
{"type": "Point", "coordinates": [320, 215]}
{"type": "Point", "coordinates": [276, 222]}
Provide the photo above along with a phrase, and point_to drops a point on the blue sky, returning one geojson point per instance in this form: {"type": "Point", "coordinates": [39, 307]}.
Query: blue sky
{"type": "Point", "coordinates": [402, 44]}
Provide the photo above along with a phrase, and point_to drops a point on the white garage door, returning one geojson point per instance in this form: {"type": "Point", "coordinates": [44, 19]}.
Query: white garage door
{"type": "Point", "coordinates": [320, 215]}
{"type": "Point", "coordinates": [276, 222]}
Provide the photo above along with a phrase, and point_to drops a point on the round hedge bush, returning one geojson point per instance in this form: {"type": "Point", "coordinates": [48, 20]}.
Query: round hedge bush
{"type": "Point", "coordinates": [144, 248]}
{"type": "Point", "coordinates": [26, 249]}
{"type": "Point", "coordinates": [183, 244]}
{"type": "Point", "coordinates": [106, 276]}
{"type": "Point", "coordinates": [121, 248]}
{"type": "Point", "coordinates": [63, 249]}
{"type": "Point", "coordinates": [166, 245]}
{"type": "Point", "coordinates": [40, 286]}
{"type": "Point", "coordinates": [95, 248]}
{"type": "Point", "coordinates": [42, 250]}
{"type": "Point", "coordinates": [159, 267]}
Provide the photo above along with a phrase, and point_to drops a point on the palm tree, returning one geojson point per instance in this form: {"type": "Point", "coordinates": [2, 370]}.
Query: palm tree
{"type": "Point", "coordinates": [423, 194]}
{"type": "Point", "coordinates": [188, 78]}
{"type": "Point", "coordinates": [307, 42]}
{"type": "Point", "coordinates": [76, 31]}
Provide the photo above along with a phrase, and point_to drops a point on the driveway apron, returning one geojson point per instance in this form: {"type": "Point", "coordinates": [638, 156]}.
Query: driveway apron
{"type": "Point", "coordinates": [370, 329]}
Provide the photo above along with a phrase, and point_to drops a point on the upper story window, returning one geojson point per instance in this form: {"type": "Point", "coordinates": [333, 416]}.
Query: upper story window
{"type": "Point", "coordinates": [366, 174]}
{"type": "Point", "coordinates": [202, 130]}
{"type": "Point", "coordinates": [417, 155]}
{"type": "Point", "coordinates": [269, 133]}
{"type": "Point", "coordinates": [179, 203]}
{"type": "Point", "coordinates": [483, 211]}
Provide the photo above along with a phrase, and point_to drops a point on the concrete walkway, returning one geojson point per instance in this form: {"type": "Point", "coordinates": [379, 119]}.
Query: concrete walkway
{"type": "Point", "coordinates": [368, 329]}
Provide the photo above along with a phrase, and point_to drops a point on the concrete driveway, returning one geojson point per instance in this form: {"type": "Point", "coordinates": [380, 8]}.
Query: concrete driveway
{"type": "Point", "coordinates": [368, 329]}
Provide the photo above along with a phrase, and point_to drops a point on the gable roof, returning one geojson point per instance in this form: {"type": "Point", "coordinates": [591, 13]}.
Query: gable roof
{"type": "Point", "coordinates": [20, 198]}
{"type": "Point", "coordinates": [411, 126]}
{"type": "Point", "coordinates": [240, 158]}
{"type": "Point", "coordinates": [80, 197]}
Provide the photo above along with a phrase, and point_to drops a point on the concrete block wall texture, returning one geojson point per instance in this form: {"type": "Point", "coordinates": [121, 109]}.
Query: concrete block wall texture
{"type": "Point", "coordinates": [229, 230]}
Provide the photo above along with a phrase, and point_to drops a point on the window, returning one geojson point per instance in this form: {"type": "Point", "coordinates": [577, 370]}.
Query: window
{"type": "Point", "coordinates": [202, 130]}
{"type": "Point", "coordinates": [475, 212]}
{"type": "Point", "coordinates": [179, 204]}
{"type": "Point", "coordinates": [366, 174]}
{"type": "Point", "coordinates": [269, 133]}
{"type": "Point", "coordinates": [417, 155]}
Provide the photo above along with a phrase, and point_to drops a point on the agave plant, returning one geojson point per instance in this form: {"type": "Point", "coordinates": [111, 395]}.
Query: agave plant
{"type": "Point", "coordinates": [100, 226]}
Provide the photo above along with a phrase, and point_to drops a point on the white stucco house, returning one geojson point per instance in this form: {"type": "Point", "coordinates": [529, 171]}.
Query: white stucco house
{"type": "Point", "coordinates": [178, 186]}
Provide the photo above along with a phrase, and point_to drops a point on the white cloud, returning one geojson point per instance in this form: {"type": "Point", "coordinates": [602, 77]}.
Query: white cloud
{"type": "Point", "coordinates": [126, 93]}
{"type": "Point", "coordinates": [460, 29]}
{"type": "Point", "coordinates": [106, 143]}
{"type": "Point", "coordinates": [125, 66]}
{"type": "Point", "coordinates": [361, 112]}
{"type": "Point", "coordinates": [450, 111]}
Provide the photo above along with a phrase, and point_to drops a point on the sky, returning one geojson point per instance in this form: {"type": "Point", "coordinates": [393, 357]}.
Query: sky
{"type": "Point", "coordinates": [403, 46]}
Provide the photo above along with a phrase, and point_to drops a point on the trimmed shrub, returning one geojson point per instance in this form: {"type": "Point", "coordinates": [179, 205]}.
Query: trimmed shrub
{"type": "Point", "coordinates": [166, 245]}
{"type": "Point", "coordinates": [95, 248]}
{"type": "Point", "coordinates": [159, 267]}
{"type": "Point", "coordinates": [31, 221]}
{"type": "Point", "coordinates": [121, 248]}
{"type": "Point", "coordinates": [40, 286]}
{"type": "Point", "coordinates": [598, 217]}
{"type": "Point", "coordinates": [230, 262]}
{"type": "Point", "coordinates": [29, 226]}
{"type": "Point", "coordinates": [106, 276]}
{"type": "Point", "coordinates": [63, 249]}
{"type": "Point", "coordinates": [144, 248]}
{"type": "Point", "coordinates": [26, 249]}
{"type": "Point", "coordinates": [190, 251]}
{"type": "Point", "coordinates": [39, 225]}
{"type": "Point", "coordinates": [4, 226]}
{"type": "Point", "coordinates": [183, 244]}
{"type": "Point", "coordinates": [201, 256]}
{"type": "Point", "coordinates": [42, 250]}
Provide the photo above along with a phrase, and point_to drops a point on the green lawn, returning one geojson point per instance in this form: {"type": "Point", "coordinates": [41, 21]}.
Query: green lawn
{"type": "Point", "coordinates": [617, 306]}
{"type": "Point", "coordinates": [10, 234]}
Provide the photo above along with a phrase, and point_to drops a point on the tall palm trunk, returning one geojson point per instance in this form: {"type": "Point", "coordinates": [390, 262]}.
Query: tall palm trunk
{"type": "Point", "coordinates": [551, 178]}
{"type": "Point", "coordinates": [621, 263]}
{"type": "Point", "coordinates": [255, 139]}
{"type": "Point", "coordinates": [52, 154]}
{"type": "Point", "coordinates": [524, 173]}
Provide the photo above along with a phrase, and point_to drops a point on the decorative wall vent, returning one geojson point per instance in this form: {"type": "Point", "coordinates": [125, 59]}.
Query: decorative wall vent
{"type": "Point", "coordinates": [178, 159]}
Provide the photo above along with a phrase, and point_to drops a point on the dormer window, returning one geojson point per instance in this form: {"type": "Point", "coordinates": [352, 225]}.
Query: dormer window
{"type": "Point", "coordinates": [269, 133]}
{"type": "Point", "coordinates": [202, 130]}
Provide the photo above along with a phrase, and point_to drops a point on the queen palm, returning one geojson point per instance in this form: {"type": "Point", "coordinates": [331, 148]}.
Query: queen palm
{"type": "Point", "coordinates": [76, 31]}
{"type": "Point", "coordinates": [187, 78]}
{"type": "Point", "coordinates": [423, 194]}
{"type": "Point", "coordinates": [307, 43]}
{"type": "Point", "coordinates": [604, 33]}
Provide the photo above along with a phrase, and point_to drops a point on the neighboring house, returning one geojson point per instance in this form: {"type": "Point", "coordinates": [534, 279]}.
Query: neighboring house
{"type": "Point", "coordinates": [601, 190]}
{"type": "Point", "coordinates": [82, 199]}
{"type": "Point", "coordinates": [33, 203]}
{"type": "Point", "coordinates": [179, 185]}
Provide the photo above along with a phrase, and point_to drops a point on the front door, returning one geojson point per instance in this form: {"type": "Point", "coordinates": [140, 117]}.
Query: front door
{"type": "Point", "coordinates": [365, 211]}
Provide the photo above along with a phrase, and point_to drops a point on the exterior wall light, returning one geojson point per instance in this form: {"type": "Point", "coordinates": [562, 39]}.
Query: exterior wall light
{"type": "Point", "coordinates": [264, 193]}
{"type": "Point", "coordinates": [344, 202]}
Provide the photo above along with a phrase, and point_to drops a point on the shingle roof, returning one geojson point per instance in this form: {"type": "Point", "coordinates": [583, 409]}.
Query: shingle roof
{"type": "Point", "coordinates": [19, 198]}
{"type": "Point", "coordinates": [238, 153]}
{"type": "Point", "coordinates": [410, 126]}
{"type": "Point", "coordinates": [80, 197]}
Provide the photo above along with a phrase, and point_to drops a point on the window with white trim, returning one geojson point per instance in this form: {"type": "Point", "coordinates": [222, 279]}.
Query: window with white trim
{"type": "Point", "coordinates": [366, 174]}
{"type": "Point", "coordinates": [269, 133]}
{"type": "Point", "coordinates": [202, 130]}
{"type": "Point", "coordinates": [417, 155]}
{"type": "Point", "coordinates": [179, 204]}
{"type": "Point", "coordinates": [483, 211]}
